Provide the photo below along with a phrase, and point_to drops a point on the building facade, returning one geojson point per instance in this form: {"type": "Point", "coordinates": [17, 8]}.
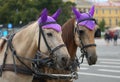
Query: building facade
{"type": "Point", "coordinates": [115, 0]}
{"type": "Point", "coordinates": [108, 11]}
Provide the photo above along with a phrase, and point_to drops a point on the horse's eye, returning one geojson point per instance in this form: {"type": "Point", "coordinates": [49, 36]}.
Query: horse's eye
{"type": "Point", "coordinates": [80, 31]}
{"type": "Point", "coordinates": [49, 34]}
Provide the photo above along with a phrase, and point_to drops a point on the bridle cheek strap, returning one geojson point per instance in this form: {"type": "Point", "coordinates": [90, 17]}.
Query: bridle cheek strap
{"type": "Point", "coordinates": [51, 51]}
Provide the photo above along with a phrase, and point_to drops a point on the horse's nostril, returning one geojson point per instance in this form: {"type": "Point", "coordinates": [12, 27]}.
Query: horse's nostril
{"type": "Point", "coordinates": [64, 59]}
{"type": "Point", "coordinates": [92, 60]}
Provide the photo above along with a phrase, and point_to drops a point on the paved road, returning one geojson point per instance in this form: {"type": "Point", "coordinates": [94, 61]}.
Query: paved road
{"type": "Point", "coordinates": [107, 68]}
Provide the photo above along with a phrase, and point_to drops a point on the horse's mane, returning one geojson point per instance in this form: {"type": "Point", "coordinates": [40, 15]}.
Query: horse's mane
{"type": "Point", "coordinates": [68, 36]}
{"type": "Point", "coordinates": [3, 40]}
{"type": "Point", "coordinates": [24, 26]}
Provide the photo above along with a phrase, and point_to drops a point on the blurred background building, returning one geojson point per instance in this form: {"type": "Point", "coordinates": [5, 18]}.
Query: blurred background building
{"type": "Point", "coordinates": [109, 12]}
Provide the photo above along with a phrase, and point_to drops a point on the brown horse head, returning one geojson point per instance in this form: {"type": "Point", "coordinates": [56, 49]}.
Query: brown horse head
{"type": "Point", "coordinates": [84, 34]}
{"type": "Point", "coordinates": [79, 32]}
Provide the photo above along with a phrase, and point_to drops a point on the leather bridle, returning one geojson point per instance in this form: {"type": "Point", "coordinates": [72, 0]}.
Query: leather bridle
{"type": "Point", "coordinates": [51, 51]}
{"type": "Point", "coordinates": [83, 47]}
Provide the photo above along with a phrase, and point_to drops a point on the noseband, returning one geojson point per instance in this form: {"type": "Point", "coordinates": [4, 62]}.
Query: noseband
{"type": "Point", "coordinates": [83, 47]}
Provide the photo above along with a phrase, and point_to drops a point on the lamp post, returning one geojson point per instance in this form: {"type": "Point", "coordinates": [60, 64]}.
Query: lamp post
{"type": "Point", "coordinates": [10, 26]}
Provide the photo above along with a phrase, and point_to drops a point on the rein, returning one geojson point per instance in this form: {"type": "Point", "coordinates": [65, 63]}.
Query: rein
{"type": "Point", "coordinates": [25, 69]}
{"type": "Point", "coordinates": [13, 67]}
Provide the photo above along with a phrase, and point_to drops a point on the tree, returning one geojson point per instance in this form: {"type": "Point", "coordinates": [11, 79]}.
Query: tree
{"type": "Point", "coordinates": [17, 10]}
{"type": "Point", "coordinates": [14, 11]}
{"type": "Point", "coordinates": [102, 25]}
{"type": "Point", "coordinates": [66, 12]}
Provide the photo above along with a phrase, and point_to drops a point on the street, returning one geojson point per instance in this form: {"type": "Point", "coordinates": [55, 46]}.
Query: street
{"type": "Point", "coordinates": [107, 68]}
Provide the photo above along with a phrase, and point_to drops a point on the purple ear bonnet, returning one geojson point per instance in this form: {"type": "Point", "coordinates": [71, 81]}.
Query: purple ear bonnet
{"type": "Point", "coordinates": [44, 19]}
{"type": "Point", "coordinates": [81, 16]}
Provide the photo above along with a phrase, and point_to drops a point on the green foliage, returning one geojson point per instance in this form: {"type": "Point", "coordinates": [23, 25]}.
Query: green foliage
{"type": "Point", "coordinates": [26, 11]}
{"type": "Point", "coordinates": [102, 25]}
{"type": "Point", "coordinates": [66, 12]}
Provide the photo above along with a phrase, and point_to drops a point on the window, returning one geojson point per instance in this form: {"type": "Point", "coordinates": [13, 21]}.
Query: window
{"type": "Point", "coordinates": [103, 11]}
{"type": "Point", "coordinates": [116, 11]}
{"type": "Point", "coordinates": [109, 11]}
{"type": "Point", "coordinates": [110, 21]}
{"type": "Point", "coordinates": [116, 21]}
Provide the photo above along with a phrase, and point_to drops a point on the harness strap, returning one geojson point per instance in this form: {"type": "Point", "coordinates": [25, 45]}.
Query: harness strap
{"type": "Point", "coordinates": [20, 69]}
{"type": "Point", "coordinates": [4, 60]}
{"type": "Point", "coordinates": [41, 31]}
{"type": "Point", "coordinates": [14, 54]}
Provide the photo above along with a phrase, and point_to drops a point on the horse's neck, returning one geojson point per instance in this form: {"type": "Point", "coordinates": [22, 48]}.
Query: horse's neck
{"type": "Point", "coordinates": [68, 37]}
{"type": "Point", "coordinates": [24, 42]}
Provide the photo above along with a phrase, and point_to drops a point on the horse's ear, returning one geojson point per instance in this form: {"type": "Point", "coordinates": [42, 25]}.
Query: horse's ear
{"type": "Point", "coordinates": [92, 10]}
{"type": "Point", "coordinates": [56, 14]}
{"type": "Point", "coordinates": [76, 12]}
{"type": "Point", "coordinates": [44, 15]}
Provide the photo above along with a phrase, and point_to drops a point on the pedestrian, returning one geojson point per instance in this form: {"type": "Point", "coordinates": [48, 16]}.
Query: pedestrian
{"type": "Point", "coordinates": [107, 37]}
{"type": "Point", "coordinates": [115, 38]}
{"type": "Point", "coordinates": [111, 35]}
